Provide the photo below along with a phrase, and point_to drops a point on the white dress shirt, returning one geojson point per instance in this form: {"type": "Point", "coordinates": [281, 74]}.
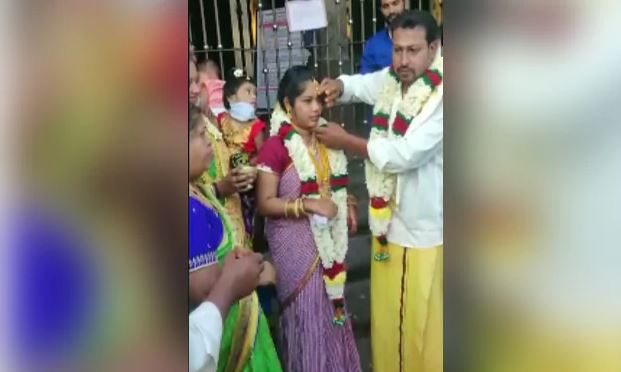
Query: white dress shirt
{"type": "Point", "coordinates": [205, 327]}
{"type": "Point", "coordinates": [416, 158]}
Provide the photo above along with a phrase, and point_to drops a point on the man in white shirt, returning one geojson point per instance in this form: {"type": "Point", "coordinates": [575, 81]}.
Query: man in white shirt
{"type": "Point", "coordinates": [239, 278]}
{"type": "Point", "coordinates": [404, 171]}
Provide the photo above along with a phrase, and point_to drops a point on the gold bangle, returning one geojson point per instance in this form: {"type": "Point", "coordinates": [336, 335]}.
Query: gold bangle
{"type": "Point", "coordinates": [290, 208]}
{"type": "Point", "coordinates": [302, 209]}
{"type": "Point", "coordinates": [296, 209]}
{"type": "Point", "coordinates": [287, 209]}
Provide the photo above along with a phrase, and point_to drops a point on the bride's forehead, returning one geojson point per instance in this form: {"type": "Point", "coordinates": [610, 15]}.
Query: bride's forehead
{"type": "Point", "coordinates": [310, 86]}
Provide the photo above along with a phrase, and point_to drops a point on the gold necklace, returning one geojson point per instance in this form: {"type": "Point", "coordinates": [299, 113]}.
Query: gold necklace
{"type": "Point", "coordinates": [322, 167]}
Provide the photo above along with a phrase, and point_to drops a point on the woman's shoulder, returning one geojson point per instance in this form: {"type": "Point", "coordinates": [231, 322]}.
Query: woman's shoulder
{"type": "Point", "coordinates": [273, 155]}
{"type": "Point", "coordinates": [274, 142]}
{"type": "Point", "coordinates": [197, 196]}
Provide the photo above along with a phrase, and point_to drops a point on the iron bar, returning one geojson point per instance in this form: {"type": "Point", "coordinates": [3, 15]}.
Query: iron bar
{"type": "Point", "coordinates": [202, 6]}
{"type": "Point", "coordinates": [218, 34]}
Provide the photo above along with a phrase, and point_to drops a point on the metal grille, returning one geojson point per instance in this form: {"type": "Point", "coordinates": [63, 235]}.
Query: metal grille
{"type": "Point", "coordinates": [228, 32]}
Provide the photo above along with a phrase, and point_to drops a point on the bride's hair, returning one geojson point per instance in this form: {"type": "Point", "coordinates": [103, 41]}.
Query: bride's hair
{"type": "Point", "coordinates": [292, 84]}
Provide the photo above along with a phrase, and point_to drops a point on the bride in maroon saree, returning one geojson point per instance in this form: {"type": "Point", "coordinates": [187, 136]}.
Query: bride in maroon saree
{"type": "Point", "coordinates": [315, 334]}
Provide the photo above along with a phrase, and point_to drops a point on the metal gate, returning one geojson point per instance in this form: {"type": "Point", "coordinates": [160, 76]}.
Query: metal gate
{"type": "Point", "coordinates": [228, 31]}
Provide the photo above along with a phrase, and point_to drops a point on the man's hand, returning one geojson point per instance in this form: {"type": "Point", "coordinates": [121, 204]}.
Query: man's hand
{"type": "Point", "coordinates": [333, 136]}
{"type": "Point", "coordinates": [333, 89]}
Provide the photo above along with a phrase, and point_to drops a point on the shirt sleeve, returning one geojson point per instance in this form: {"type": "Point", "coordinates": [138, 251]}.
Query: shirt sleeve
{"type": "Point", "coordinates": [205, 329]}
{"type": "Point", "coordinates": [362, 88]}
{"type": "Point", "coordinates": [397, 155]}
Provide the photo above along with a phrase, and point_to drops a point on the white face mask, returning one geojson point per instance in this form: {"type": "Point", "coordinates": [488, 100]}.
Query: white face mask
{"type": "Point", "coordinates": [242, 111]}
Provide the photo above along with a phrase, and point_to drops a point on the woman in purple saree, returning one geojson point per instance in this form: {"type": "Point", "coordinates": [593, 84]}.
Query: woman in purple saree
{"type": "Point", "coordinates": [314, 334]}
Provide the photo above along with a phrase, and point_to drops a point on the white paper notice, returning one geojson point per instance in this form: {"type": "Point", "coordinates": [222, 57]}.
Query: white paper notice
{"type": "Point", "coordinates": [305, 15]}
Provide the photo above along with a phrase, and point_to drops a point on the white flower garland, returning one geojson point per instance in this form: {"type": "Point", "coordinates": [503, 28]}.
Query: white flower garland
{"type": "Point", "coordinates": [331, 238]}
{"type": "Point", "coordinates": [379, 184]}
{"type": "Point", "coordinates": [278, 117]}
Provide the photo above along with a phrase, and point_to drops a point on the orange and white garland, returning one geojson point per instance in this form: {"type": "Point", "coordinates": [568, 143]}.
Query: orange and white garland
{"type": "Point", "coordinates": [381, 186]}
{"type": "Point", "coordinates": [331, 236]}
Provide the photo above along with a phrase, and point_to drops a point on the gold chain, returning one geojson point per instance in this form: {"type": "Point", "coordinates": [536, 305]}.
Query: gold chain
{"type": "Point", "coordinates": [322, 168]}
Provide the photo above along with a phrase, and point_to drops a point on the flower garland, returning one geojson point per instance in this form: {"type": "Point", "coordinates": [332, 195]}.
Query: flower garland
{"type": "Point", "coordinates": [331, 239]}
{"type": "Point", "coordinates": [381, 186]}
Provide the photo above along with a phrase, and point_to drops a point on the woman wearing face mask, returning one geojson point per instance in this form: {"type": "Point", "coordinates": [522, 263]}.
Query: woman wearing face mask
{"type": "Point", "coordinates": [301, 190]}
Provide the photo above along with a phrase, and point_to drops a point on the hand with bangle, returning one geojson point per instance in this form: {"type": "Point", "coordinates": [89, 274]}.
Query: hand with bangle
{"type": "Point", "coordinates": [295, 208]}
{"type": "Point", "coordinates": [302, 207]}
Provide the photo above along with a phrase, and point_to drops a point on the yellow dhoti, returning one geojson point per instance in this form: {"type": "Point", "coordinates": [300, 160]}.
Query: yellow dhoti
{"type": "Point", "coordinates": [407, 310]}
